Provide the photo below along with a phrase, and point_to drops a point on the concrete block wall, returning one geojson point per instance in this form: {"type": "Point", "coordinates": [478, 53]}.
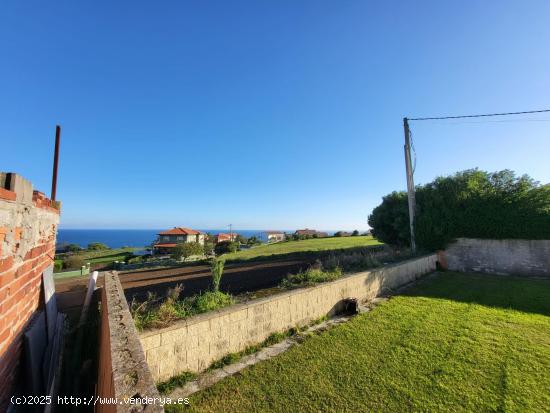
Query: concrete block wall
{"type": "Point", "coordinates": [123, 372]}
{"type": "Point", "coordinates": [194, 343]}
{"type": "Point", "coordinates": [28, 226]}
{"type": "Point", "coordinates": [506, 256]}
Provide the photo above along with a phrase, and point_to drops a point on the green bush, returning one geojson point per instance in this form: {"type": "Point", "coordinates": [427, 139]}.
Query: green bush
{"type": "Point", "coordinates": [211, 300]}
{"type": "Point", "coordinates": [185, 250]}
{"type": "Point", "coordinates": [97, 246]}
{"type": "Point", "coordinates": [472, 204]}
{"type": "Point", "coordinates": [311, 276]}
{"type": "Point", "coordinates": [57, 265]}
{"type": "Point", "coordinates": [150, 313]}
{"type": "Point", "coordinates": [73, 248]}
{"type": "Point", "coordinates": [226, 247]}
{"type": "Point", "coordinates": [135, 260]}
{"type": "Point", "coordinates": [73, 262]}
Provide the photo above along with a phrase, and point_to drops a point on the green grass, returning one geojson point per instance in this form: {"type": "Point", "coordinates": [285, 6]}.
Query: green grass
{"type": "Point", "coordinates": [180, 380]}
{"type": "Point", "coordinates": [303, 246]}
{"type": "Point", "coordinates": [104, 256]}
{"type": "Point", "coordinates": [150, 314]}
{"type": "Point", "coordinates": [452, 343]}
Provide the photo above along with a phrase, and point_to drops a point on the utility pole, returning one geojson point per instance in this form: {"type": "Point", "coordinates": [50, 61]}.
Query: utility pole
{"type": "Point", "coordinates": [410, 182]}
{"type": "Point", "coordinates": [55, 162]}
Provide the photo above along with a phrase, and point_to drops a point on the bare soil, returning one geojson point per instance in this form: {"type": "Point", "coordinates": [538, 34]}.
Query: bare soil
{"type": "Point", "coordinates": [238, 278]}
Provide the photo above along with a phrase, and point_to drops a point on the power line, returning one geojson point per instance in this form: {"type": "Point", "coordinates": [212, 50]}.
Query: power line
{"type": "Point", "coordinates": [483, 115]}
{"type": "Point", "coordinates": [477, 122]}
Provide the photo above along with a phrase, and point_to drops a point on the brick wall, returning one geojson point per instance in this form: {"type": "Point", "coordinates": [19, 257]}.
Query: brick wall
{"type": "Point", "coordinates": [194, 343]}
{"type": "Point", "coordinates": [28, 225]}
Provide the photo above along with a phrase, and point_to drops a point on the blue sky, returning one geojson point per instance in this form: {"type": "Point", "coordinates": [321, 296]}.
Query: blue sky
{"type": "Point", "coordinates": [264, 114]}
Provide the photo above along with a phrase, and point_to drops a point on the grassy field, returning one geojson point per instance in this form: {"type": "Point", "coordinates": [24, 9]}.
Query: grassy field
{"type": "Point", "coordinates": [103, 256]}
{"type": "Point", "coordinates": [106, 256]}
{"type": "Point", "coordinates": [455, 342]}
{"type": "Point", "coordinates": [308, 245]}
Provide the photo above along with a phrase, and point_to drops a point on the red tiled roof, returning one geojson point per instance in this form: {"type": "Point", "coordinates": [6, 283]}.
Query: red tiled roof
{"type": "Point", "coordinates": [164, 245]}
{"type": "Point", "coordinates": [180, 231]}
{"type": "Point", "coordinates": [225, 237]}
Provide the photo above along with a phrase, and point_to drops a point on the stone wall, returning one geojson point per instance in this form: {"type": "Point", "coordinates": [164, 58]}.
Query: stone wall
{"type": "Point", "coordinates": [123, 372]}
{"type": "Point", "coordinates": [28, 225]}
{"type": "Point", "coordinates": [507, 257]}
{"type": "Point", "coordinates": [194, 343]}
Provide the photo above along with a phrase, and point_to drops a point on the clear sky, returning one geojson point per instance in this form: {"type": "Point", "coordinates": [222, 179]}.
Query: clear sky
{"type": "Point", "coordinates": [264, 114]}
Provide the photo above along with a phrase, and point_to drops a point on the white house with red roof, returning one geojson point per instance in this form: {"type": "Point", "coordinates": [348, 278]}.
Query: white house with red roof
{"type": "Point", "coordinates": [168, 239]}
{"type": "Point", "coordinates": [221, 237]}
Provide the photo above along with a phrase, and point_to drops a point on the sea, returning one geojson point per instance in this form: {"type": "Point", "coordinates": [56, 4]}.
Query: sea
{"type": "Point", "coordinates": [117, 238]}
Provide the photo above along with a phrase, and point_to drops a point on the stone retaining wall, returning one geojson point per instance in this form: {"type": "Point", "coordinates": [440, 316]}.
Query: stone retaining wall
{"type": "Point", "coordinates": [506, 257]}
{"type": "Point", "coordinates": [194, 343]}
{"type": "Point", "coordinates": [123, 372]}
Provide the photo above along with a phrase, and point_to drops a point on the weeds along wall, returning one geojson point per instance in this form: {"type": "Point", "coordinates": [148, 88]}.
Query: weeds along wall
{"type": "Point", "coordinates": [194, 343]}
{"type": "Point", "coordinates": [28, 225]}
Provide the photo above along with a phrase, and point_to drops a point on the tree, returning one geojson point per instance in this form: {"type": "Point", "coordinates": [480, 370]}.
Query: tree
{"type": "Point", "coordinates": [216, 267]}
{"type": "Point", "coordinates": [240, 239]}
{"type": "Point", "coordinates": [97, 246]}
{"type": "Point", "coordinates": [73, 248]}
{"type": "Point", "coordinates": [355, 233]}
{"type": "Point", "coordinates": [471, 203]}
{"type": "Point", "coordinates": [338, 234]}
{"type": "Point", "coordinates": [184, 250]}
{"type": "Point", "coordinates": [73, 262]}
{"type": "Point", "coordinates": [226, 247]}
{"type": "Point", "coordinates": [209, 247]}
{"type": "Point", "coordinates": [253, 241]}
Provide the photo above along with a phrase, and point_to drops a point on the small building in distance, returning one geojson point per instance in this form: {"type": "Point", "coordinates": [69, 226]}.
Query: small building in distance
{"type": "Point", "coordinates": [222, 237]}
{"type": "Point", "coordinates": [272, 236]}
{"type": "Point", "coordinates": [168, 239]}
{"type": "Point", "coordinates": [310, 233]}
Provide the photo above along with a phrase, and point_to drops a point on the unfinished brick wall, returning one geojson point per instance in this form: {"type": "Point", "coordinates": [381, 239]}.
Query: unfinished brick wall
{"type": "Point", "coordinates": [28, 225]}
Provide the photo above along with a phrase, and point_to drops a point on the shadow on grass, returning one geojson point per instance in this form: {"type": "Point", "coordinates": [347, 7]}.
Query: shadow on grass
{"type": "Point", "coordinates": [528, 295]}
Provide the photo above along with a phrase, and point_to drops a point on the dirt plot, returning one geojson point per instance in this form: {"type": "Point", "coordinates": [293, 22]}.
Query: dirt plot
{"type": "Point", "coordinates": [237, 278]}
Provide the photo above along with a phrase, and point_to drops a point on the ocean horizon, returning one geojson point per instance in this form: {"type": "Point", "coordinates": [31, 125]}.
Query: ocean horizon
{"type": "Point", "coordinates": [117, 238]}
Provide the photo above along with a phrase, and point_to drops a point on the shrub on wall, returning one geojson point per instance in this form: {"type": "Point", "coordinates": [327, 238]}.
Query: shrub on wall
{"type": "Point", "coordinates": [471, 203]}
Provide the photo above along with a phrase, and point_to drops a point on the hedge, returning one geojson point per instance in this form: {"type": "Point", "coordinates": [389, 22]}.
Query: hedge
{"type": "Point", "coordinates": [471, 203]}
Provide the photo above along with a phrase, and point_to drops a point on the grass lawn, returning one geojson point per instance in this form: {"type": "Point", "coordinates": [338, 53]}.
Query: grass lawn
{"type": "Point", "coordinates": [307, 245]}
{"type": "Point", "coordinates": [454, 342]}
{"type": "Point", "coordinates": [107, 256]}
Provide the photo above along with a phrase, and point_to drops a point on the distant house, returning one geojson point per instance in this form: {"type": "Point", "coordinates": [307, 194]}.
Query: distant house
{"type": "Point", "coordinates": [221, 237]}
{"type": "Point", "coordinates": [310, 233]}
{"type": "Point", "coordinates": [168, 239]}
{"type": "Point", "coordinates": [274, 236]}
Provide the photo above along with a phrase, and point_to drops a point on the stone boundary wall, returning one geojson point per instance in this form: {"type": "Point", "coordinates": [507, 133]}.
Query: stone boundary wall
{"type": "Point", "coordinates": [194, 343]}
{"type": "Point", "coordinates": [505, 257]}
{"type": "Point", "coordinates": [123, 372]}
{"type": "Point", "coordinates": [28, 227]}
